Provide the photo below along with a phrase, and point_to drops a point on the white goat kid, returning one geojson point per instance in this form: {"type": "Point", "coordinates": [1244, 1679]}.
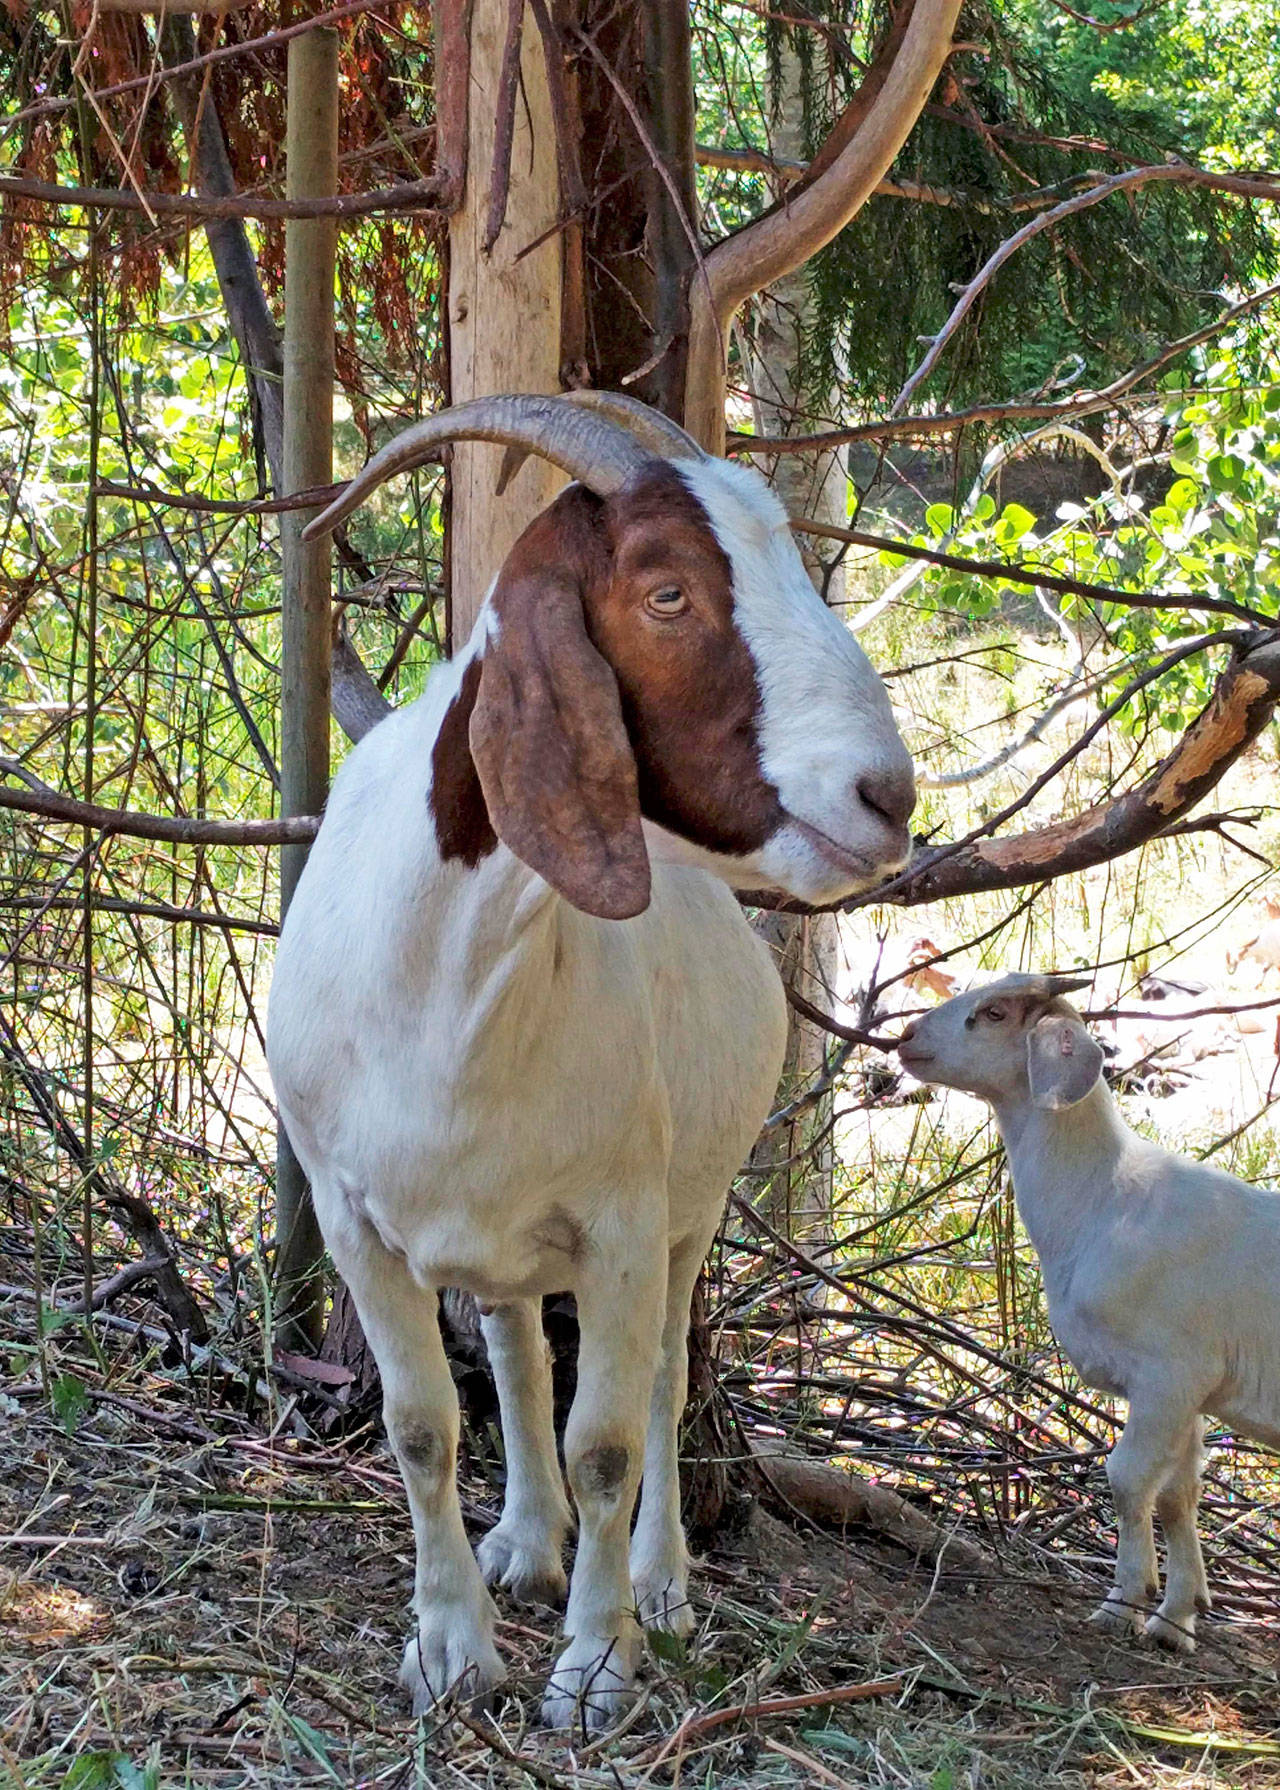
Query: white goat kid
{"type": "Point", "coordinates": [1162, 1275]}
{"type": "Point", "coordinates": [521, 1034]}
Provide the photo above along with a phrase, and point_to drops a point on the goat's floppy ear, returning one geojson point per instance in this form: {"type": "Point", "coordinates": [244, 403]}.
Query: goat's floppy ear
{"type": "Point", "coordinates": [547, 735]}
{"type": "Point", "coordinates": [1063, 1062]}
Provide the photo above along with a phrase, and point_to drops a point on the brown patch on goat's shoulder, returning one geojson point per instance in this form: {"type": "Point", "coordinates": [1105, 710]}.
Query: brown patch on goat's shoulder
{"type": "Point", "coordinates": [457, 803]}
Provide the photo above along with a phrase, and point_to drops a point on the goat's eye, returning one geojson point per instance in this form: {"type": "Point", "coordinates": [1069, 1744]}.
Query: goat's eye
{"type": "Point", "coordinates": [993, 1013]}
{"type": "Point", "coordinates": [670, 600]}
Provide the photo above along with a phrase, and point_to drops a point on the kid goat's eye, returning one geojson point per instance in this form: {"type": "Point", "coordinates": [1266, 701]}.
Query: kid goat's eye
{"type": "Point", "coordinates": [670, 600]}
{"type": "Point", "coordinates": [995, 1013]}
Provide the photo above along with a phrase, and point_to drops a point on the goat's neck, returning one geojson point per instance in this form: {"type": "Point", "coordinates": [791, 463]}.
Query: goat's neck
{"type": "Point", "coordinates": [1063, 1165]}
{"type": "Point", "coordinates": [484, 916]}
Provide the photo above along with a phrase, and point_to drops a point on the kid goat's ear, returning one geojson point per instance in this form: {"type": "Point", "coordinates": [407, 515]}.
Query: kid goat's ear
{"type": "Point", "coordinates": [1063, 1062]}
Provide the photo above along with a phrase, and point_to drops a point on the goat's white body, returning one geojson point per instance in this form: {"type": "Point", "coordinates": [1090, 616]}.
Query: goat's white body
{"type": "Point", "coordinates": [463, 1060]}
{"type": "Point", "coordinates": [1162, 1274]}
{"type": "Point", "coordinates": [492, 1090]}
{"type": "Point", "coordinates": [1159, 1271]}
{"type": "Point", "coordinates": [1163, 1283]}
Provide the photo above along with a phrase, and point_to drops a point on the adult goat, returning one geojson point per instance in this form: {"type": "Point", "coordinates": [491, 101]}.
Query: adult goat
{"type": "Point", "coordinates": [521, 1033]}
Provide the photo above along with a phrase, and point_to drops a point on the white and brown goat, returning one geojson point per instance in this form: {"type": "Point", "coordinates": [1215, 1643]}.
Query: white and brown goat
{"type": "Point", "coordinates": [521, 1033]}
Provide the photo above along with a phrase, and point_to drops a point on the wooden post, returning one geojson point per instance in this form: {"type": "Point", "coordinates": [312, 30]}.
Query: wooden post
{"type": "Point", "coordinates": [504, 303]}
{"type": "Point", "coordinates": [311, 149]}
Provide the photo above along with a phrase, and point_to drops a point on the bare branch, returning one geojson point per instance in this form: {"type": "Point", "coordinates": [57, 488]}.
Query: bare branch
{"type": "Point", "coordinates": [409, 195]}
{"type": "Point", "coordinates": [1013, 411]}
{"type": "Point", "coordinates": [902, 79]}
{"type": "Point", "coordinates": [298, 829]}
{"type": "Point", "coordinates": [43, 108]}
{"type": "Point", "coordinates": [1245, 185]}
{"type": "Point", "coordinates": [1033, 576]}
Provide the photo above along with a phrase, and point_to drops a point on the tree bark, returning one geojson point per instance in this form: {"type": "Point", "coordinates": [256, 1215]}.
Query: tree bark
{"type": "Point", "coordinates": [503, 302]}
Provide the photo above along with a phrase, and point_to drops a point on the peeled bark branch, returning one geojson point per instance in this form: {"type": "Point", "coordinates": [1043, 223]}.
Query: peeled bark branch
{"type": "Point", "coordinates": [828, 1495]}
{"type": "Point", "coordinates": [899, 82]}
{"type": "Point", "coordinates": [1242, 704]}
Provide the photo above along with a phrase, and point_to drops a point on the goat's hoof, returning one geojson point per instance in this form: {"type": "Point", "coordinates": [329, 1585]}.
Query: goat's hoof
{"type": "Point", "coordinates": [1178, 1636]}
{"type": "Point", "coordinates": [444, 1664]}
{"type": "Point", "coordinates": [591, 1685]}
{"type": "Point", "coordinates": [662, 1602]}
{"type": "Point", "coordinates": [529, 1567]}
{"type": "Point", "coordinates": [1115, 1618]}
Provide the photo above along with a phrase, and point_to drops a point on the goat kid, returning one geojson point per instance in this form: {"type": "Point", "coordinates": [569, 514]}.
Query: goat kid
{"type": "Point", "coordinates": [521, 1034]}
{"type": "Point", "coordinates": [1161, 1274]}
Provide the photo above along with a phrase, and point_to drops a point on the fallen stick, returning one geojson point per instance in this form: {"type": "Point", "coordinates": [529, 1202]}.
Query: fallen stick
{"type": "Point", "coordinates": [836, 1499]}
{"type": "Point", "coordinates": [693, 1726]}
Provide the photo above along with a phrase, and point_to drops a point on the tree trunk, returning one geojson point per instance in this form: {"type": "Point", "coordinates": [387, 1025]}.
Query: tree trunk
{"type": "Point", "coordinates": [798, 1198]}
{"type": "Point", "coordinates": [503, 300]}
{"type": "Point", "coordinates": [310, 246]}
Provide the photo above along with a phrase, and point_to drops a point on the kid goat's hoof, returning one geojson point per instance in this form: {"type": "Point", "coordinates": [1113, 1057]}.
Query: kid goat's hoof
{"type": "Point", "coordinates": [590, 1687]}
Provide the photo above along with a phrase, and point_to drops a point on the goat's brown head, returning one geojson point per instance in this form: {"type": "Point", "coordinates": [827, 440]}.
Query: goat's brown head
{"type": "Point", "coordinates": [657, 674]}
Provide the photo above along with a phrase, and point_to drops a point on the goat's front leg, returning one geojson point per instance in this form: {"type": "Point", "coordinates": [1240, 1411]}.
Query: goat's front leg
{"type": "Point", "coordinates": [621, 1298]}
{"type": "Point", "coordinates": [659, 1553]}
{"type": "Point", "coordinates": [1186, 1590]}
{"type": "Point", "coordinates": [453, 1650]}
{"type": "Point", "coordinates": [523, 1551]}
{"type": "Point", "coordinates": [1139, 1464]}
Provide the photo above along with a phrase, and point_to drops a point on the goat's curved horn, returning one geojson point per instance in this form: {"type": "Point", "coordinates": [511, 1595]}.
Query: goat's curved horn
{"type": "Point", "coordinates": [587, 446]}
{"type": "Point", "coordinates": [655, 432]}
{"type": "Point", "coordinates": [653, 429]}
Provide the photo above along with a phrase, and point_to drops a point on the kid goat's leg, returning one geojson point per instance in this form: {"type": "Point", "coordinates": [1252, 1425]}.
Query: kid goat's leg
{"type": "Point", "coordinates": [453, 1648]}
{"type": "Point", "coordinates": [1186, 1589]}
{"type": "Point", "coordinates": [1140, 1463]}
{"type": "Point", "coordinates": [659, 1555]}
{"type": "Point", "coordinates": [621, 1299]}
{"type": "Point", "coordinates": [523, 1551]}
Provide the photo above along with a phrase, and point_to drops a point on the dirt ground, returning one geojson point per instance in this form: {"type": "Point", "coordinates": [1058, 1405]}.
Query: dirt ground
{"type": "Point", "coordinates": [227, 1608]}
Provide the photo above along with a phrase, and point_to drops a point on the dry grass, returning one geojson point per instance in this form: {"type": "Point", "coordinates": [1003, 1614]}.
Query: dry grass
{"type": "Point", "coordinates": [194, 1596]}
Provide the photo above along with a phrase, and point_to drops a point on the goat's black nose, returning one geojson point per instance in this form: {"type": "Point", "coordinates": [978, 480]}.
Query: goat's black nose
{"type": "Point", "coordinates": [889, 793]}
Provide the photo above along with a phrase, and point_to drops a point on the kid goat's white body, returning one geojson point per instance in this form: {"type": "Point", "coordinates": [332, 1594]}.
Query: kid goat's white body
{"type": "Point", "coordinates": [1162, 1275]}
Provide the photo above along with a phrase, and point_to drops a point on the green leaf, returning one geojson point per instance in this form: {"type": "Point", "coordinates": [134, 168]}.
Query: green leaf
{"type": "Point", "coordinates": [93, 1771]}
{"type": "Point", "coordinates": [940, 517]}
{"type": "Point", "coordinates": [1014, 525]}
{"type": "Point", "coordinates": [70, 1397]}
{"type": "Point", "coordinates": [665, 1646]}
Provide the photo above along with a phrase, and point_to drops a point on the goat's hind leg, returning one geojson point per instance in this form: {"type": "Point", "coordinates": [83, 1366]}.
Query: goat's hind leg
{"type": "Point", "coordinates": [453, 1650]}
{"type": "Point", "coordinates": [659, 1552]}
{"type": "Point", "coordinates": [523, 1551]}
{"type": "Point", "coordinates": [1186, 1591]}
{"type": "Point", "coordinates": [1139, 1464]}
